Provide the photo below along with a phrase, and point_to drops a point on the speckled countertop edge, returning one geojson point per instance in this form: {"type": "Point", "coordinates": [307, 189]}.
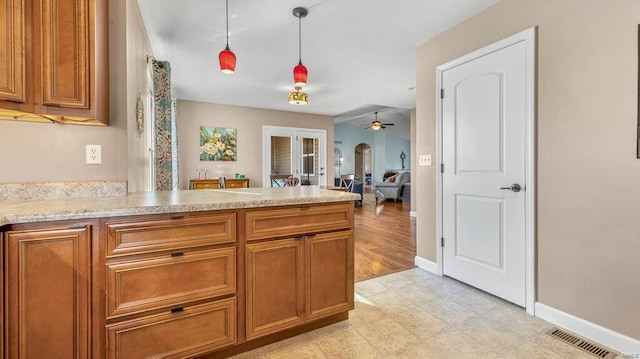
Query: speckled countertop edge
{"type": "Point", "coordinates": [14, 212]}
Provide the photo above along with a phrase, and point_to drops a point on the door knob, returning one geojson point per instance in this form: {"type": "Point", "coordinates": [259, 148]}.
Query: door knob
{"type": "Point", "coordinates": [514, 187]}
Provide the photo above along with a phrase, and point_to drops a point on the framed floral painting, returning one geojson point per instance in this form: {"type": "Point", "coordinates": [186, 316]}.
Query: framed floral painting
{"type": "Point", "coordinates": [218, 144]}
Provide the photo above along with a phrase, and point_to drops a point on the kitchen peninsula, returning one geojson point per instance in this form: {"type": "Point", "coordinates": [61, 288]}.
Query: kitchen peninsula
{"type": "Point", "coordinates": [174, 274]}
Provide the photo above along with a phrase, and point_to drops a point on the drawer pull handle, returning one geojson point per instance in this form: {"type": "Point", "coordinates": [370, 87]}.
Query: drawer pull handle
{"type": "Point", "coordinates": [177, 217]}
{"type": "Point", "coordinates": [177, 310]}
{"type": "Point", "coordinates": [177, 254]}
{"type": "Point", "coordinates": [79, 226]}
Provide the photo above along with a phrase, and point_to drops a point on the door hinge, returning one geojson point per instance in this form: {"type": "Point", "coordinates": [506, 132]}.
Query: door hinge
{"type": "Point", "coordinates": [441, 93]}
{"type": "Point", "coordinates": [442, 168]}
{"type": "Point", "coordinates": [441, 241]}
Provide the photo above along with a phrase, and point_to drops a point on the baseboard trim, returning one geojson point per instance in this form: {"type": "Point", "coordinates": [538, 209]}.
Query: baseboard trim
{"type": "Point", "coordinates": [413, 214]}
{"type": "Point", "coordinates": [425, 264]}
{"type": "Point", "coordinates": [599, 334]}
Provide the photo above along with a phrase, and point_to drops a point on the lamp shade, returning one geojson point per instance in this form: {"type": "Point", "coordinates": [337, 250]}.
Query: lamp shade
{"type": "Point", "coordinates": [300, 74]}
{"type": "Point", "coordinates": [227, 61]}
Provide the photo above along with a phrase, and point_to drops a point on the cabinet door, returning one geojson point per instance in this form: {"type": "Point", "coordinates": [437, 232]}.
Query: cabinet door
{"type": "Point", "coordinates": [275, 286]}
{"type": "Point", "coordinates": [65, 58]}
{"type": "Point", "coordinates": [71, 52]}
{"type": "Point", "coordinates": [47, 285]}
{"type": "Point", "coordinates": [329, 273]}
{"type": "Point", "coordinates": [12, 35]}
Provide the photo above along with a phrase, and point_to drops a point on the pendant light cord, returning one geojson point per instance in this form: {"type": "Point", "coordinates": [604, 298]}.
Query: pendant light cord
{"type": "Point", "coordinates": [227, 12]}
{"type": "Point", "coordinates": [300, 39]}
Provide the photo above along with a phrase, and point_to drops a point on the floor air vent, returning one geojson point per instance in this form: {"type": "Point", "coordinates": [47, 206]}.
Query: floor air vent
{"type": "Point", "coordinates": [582, 344]}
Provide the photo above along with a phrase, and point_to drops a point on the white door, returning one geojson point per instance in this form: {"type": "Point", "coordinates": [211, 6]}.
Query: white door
{"type": "Point", "coordinates": [484, 111]}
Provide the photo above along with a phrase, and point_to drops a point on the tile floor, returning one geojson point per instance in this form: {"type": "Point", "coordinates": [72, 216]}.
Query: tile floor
{"type": "Point", "coordinates": [415, 314]}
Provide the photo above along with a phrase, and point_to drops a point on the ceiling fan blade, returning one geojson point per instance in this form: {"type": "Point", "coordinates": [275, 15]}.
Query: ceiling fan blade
{"type": "Point", "coordinates": [388, 124]}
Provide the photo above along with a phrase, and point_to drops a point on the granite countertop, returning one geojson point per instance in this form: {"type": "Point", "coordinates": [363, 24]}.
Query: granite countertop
{"type": "Point", "coordinates": [12, 212]}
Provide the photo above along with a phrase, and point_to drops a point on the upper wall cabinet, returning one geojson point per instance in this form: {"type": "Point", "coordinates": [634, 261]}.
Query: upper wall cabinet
{"type": "Point", "coordinates": [54, 63]}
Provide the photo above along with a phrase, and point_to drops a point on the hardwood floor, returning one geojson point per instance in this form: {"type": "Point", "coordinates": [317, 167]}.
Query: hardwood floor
{"type": "Point", "coordinates": [385, 239]}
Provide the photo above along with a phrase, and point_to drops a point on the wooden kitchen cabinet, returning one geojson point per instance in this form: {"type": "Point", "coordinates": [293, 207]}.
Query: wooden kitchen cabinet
{"type": "Point", "coordinates": [194, 284]}
{"type": "Point", "coordinates": [56, 63]}
{"type": "Point", "coordinates": [294, 280]}
{"type": "Point", "coordinates": [48, 297]}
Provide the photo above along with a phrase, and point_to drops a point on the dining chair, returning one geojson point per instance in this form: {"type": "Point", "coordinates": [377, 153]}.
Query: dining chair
{"type": "Point", "coordinates": [348, 182]}
{"type": "Point", "coordinates": [291, 181]}
{"type": "Point", "coordinates": [279, 180]}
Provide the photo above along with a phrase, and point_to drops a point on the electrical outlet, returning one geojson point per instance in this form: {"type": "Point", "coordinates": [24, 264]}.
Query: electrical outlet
{"type": "Point", "coordinates": [94, 155]}
{"type": "Point", "coordinates": [424, 160]}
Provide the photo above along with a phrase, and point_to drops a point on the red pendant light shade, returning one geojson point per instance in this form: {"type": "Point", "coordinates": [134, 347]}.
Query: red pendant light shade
{"type": "Point", "coordinates": [226, 57]}
{"type": "Point", "coordinates": [300, 74]}
{"type": "Point", "coordinates": [227, 61]}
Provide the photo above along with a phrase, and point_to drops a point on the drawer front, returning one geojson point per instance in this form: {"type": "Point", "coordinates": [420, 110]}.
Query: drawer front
{"type": "Point", "coordinates": [205, 185]}
{"type": "Point", "coordinates": [135, 286]}
{"type": "Point", "coordinates": [237, 183]}
{"type": "Point", "coordinates": [268, 223]}
{"type": "Point", "coordinates": [144, 236]}
{"type": "Point", "coordinates": [186, 333]}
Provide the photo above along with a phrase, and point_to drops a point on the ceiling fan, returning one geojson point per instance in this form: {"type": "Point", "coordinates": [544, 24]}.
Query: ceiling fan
{"type": "Point", "coordinates": [376, 125]}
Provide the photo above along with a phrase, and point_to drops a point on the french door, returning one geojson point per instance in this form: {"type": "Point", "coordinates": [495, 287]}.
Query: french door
{"type": "Point", "coordinates": [298, 152]}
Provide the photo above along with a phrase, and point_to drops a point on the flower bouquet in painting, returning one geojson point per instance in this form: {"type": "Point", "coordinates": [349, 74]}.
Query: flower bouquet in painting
{"type": "Point", "coordinates": [218, 144]}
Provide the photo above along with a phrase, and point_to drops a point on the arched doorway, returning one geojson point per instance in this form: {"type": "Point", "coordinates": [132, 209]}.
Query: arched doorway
{"type": "Point", "coordinates": [363, 163]}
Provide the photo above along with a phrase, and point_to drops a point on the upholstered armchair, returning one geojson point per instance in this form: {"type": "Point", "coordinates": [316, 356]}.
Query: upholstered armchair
{"type": "Point", "coordinates": [391, 187]}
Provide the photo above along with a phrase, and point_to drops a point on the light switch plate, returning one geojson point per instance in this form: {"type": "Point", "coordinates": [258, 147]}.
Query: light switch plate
{"type": "Point", "coordinates": [424, 160]}
{"type": "Point", "coordinates": [94, 155]}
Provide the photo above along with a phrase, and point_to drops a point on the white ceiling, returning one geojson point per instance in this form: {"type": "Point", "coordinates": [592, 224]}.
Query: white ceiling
{"type": "Point", "coordinates": [361, 54]}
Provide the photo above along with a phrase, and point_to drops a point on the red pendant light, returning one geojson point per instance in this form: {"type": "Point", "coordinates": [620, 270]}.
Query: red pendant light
{"type": "Point", "coordinates": [300, 74]}
{"type": "Point", "coordinates": [227, 61]}
{"type": "Point", "coordinates": [300, 71]}
{"type": "Point", "coordinates": [226, 57]}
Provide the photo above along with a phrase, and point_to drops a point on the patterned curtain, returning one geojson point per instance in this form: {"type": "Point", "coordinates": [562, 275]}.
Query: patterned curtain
{"type": "Point", "coordinates": [174, 142]}
{"type": "Point", "coordinates": [163, 125]}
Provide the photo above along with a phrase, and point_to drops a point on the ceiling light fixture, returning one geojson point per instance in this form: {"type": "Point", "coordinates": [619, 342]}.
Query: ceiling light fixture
{"type": "Point", "coordinates": [376, 125]}
{"type": "Point", "coordinates": [226, 57]}
{"type": "Point", "coordinates": [298, 97]}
